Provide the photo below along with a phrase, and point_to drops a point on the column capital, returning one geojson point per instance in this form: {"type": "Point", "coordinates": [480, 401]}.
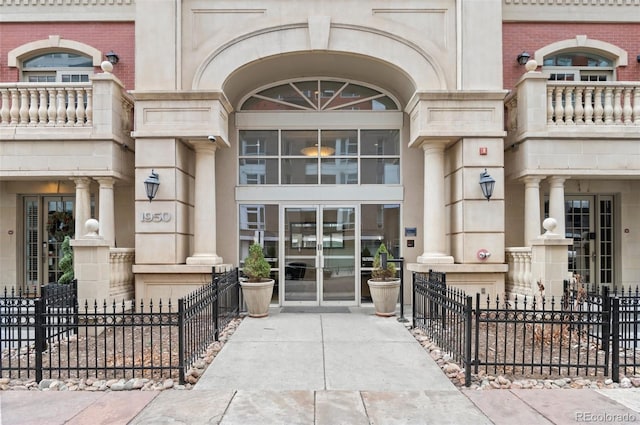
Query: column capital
{"type": "Point", "coordinates": [532, 181]}
{"type": "Point", "coordinates": [434, 145]}
{"type": "Point", "coordinates": [81, 182]}
{"type": "Point", "coordinates": [557, 181]}
{"type": "Point", "coordinates": [105, 181]}
{"type": "Point", "coordinates": [203, 145]}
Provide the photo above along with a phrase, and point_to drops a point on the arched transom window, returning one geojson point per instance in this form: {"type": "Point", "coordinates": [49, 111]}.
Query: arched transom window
{"type": "Point", "coordinates": [578, 66]}
{"type": "Point", "coordinates": [57, 67]}
{"type": "Point", "coordinates": [319, 95]}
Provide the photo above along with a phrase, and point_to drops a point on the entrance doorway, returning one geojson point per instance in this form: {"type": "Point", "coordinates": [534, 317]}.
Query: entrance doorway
{"type": "Point", "coordinates": [319, 266]}
{"type": "Point", "coordinates": [48, 219]}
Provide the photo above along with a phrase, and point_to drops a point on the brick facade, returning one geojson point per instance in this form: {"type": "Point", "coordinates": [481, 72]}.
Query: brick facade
{"type": "Point", "coordinates": [104, 36]}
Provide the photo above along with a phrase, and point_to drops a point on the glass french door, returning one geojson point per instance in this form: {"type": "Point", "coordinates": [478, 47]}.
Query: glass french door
{"type": "Point", "coordinates": [48, 219]}
{"type": "Point", "coordinates": [319, 266]}
{"type": "Point", "coordinates": [589, 224]}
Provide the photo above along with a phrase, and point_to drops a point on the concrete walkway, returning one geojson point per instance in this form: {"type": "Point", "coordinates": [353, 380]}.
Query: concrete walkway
{"type": "Point", "coordinates": [322, 368]}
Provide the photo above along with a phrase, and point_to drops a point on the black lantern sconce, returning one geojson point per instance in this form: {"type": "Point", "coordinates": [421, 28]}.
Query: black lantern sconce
{"type": "Point", "coordinates": [112, 57]}
{"type": "Point", "coordinates": [487, 184]}
{"type": "Point", "coordinates": [523, 58]}
{"type": "Point", "coordinates": [151, 185]}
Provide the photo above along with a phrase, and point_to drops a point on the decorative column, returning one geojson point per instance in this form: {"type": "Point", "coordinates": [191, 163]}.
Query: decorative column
{"type": "Point", "coordinates": [106, 212]}
{"type": "Point", "coordinates": [434, 231]}
{"type": "Point", "coordinates": [531, 209]}
{"type": "Point", "coordinates": [204, 238]}
{"type": "Point", "coordinates": [83, 204]}
{"type": "Point", "coordinates": [556, 202]}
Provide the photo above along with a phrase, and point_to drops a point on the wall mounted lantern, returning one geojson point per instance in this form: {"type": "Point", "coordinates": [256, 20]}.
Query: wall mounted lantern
{"type": "Point", "coordinates": [151, 185]}
{"type": "Point", "coordinates": [523, 58]}
{"type": "Point", "coordinates": [112, 57]}
{"type": "Point", "coordinates": [486, 184]}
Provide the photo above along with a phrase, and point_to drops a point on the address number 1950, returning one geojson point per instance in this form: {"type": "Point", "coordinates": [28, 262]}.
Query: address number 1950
{"type": "Point", "coordinates": [148, 217]}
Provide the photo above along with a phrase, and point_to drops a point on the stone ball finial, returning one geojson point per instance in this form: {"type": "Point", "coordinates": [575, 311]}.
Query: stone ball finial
{"type": "Point", "coordinates": [550, 224]}
{"type": "Point", "coordinates": [531, 65]}
{"type": "Point", "coordinates": [92, 226]}
{"type": "Point", "coordinates": [106, 67]}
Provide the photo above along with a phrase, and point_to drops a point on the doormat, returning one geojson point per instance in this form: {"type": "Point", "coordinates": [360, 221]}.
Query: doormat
{"type": "Point", "coordinates": [312, 309]}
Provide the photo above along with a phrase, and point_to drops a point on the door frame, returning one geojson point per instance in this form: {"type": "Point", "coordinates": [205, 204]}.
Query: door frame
{"type": "Point", "coordinates": [319, 258]}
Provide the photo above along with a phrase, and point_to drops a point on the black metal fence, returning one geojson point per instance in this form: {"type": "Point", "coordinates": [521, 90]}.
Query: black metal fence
{"type": "Point", "coordinates": [52, 337]}
{"type": "Point", "coordinates": [581, 334]}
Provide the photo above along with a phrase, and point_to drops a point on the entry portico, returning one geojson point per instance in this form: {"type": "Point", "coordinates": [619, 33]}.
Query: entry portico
{"type": "Point", "coordinates": [447, 110]}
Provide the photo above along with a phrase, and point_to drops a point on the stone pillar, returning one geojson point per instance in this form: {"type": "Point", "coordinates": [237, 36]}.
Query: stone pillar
{"type": "Point", "coordinates": [204, 238]}
{"type": "Point", "coordinates": [531, 209]}
{"type": "Point", "coordinates": [91, 264]}
{"type": "Point", "coordinates": [549, 262]}
{"type": "Point", "coordinates": [107, 210]}
{"type": "Point", "coordinates": [434, 229]}
{"type": "Point", "coordinates": [556, 202]}
{"type": "Point", "coordinates": [83, 204]}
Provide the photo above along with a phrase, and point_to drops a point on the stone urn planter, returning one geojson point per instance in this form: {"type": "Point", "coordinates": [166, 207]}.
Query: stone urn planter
{"type": "Point", "coordinates": [257, 289]}
{"type": "Point", "coordinates": [383, 285]}
{"type": "Point", "coordinates": [384, 294]}
{"type": "Point", "coordinates": [257, 296]}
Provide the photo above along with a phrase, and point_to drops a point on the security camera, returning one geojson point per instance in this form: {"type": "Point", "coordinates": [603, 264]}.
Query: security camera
{"type": "Point", "coordinates": [212, 138]}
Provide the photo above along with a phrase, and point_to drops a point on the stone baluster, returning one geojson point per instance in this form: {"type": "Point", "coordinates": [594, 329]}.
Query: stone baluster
{"type": "Point", "coordinates": [71, 107]}
{"type": "Point", "coordinates": [627, 111]}
{"type": "Point", "coordinates": [80, 112]}
{"type": "Point", "coordinates": [14, 112]}
{"type": "Point", "coordinates": [559, 109]}
{"type": "Point", "coordinates": [636, 106]}
{"type": "Point", "coordinates": [617, 106]}
{"type": "Point", "coordinates": [24, 106]}
{"type": "Point", "coordinates": [42, 110]}
{"type": "Point", "coordinates": [509, 258]}
{"type": "Point", "coordinates": [568, 105]}
{"type": "Point", "coordinates": [526, 281]}
{"type": "Point", "coordinates": [579, 108]}
{"type": "Point", "coordinates": [61, 112]}
{"type": "Point", "coordinates": [588, 105]}
{"type": "Point", "coordinates": [520, 268]}
{"type": "Point", "coordinates": [33, 107]}
{"type": "Point", "coordinates": [89, 109]}
{"type": "Point", "coordinates": [550, 111]}
{"type": "Point", "coordinates": [608, 105]}
{"type": "Point", "coordinates": [598, 109]}
{"type": "Point", "coordinates": [5, 116]}
{"type": "Point", "coordinates": [52, 111]}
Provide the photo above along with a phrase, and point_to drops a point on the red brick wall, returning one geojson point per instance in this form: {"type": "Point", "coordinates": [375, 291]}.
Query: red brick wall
{"type": "Point", "coordinates": [104, 36]}
{"type": "Point", "coordinates": [531, 36]}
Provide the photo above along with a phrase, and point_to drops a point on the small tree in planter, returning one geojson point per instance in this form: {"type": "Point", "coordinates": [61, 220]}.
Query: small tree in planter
{"type": "Point", "coordinates": [66, 262]}
{"type": "Point", "coordinates": [257, 290]}
{"type": "Point", "coordinates": [383, 285]}
{"type": "Point", "coordinates": [379, 273]}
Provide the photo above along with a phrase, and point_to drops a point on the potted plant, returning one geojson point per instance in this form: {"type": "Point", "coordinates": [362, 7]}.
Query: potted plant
{"type": "Point", "coordinates": [384, 285]}
{"type": "Point", "coordinates": [257, 289]}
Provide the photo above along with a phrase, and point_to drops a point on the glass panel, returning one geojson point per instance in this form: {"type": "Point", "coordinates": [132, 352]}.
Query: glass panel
{"type": "Point", "coordinates": [380, 142]}
{"type": "Point", "coordinates": [41, 78]}
{"type": "Point", "coordinates": [577, 224]}
{"type": "Point", "coordinates": [258, 171]}
{"type": "Point", "coordinates": [258, 143]}
{"type": "Point", "coordinates": [606, 241]}
{"type": "Point", "coordinates": [60, 223]}
{"type": "Point", "coordinates": [300, 232]}
{"type": "Point", "coordinates": [338, 249]}
{"type": "Point", "coordinates": [340, 142]}
{"type": "Point", "coordinates": [58, 60]}
{"type": "Point", "coordinates": [380, 171]}
{"type": "Point", "coordinates": [295, 142]}
{"type": "Point", "coordinates": [339, 171]}
{"type": "Point", "coordinates": [258, 104]}
{"type": "Point", "coordinates": [75, 78]}
{"type": "Point", "coordinates": [285, 93]}
{"type": "Point", "coordinates": [379, 223]}
{"type": "Point", "coordinates": [578, 59]}
{"type": "Point", "coordinates": [260, 223]}
{"type": "Point", "coordinates": [299, 171]}
{"type": "Point", "coordinates": [328, 89]}
{"type": "Point", "coordinates": [310, 90]}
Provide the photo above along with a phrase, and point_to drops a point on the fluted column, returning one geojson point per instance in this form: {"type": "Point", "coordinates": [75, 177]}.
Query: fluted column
{"type": "Point", "coordinates": [532, 227]}
{"type": "Point", "coordinates": [556, 202]}
{"type": "Point", "coordinates": [106, 213]}
{"type": "Point", "coordinates": [434, 229]}
{"type": "Point", "coordinates": [204, 238]}
{"type": "Point", "coordinates": [83, 204]}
